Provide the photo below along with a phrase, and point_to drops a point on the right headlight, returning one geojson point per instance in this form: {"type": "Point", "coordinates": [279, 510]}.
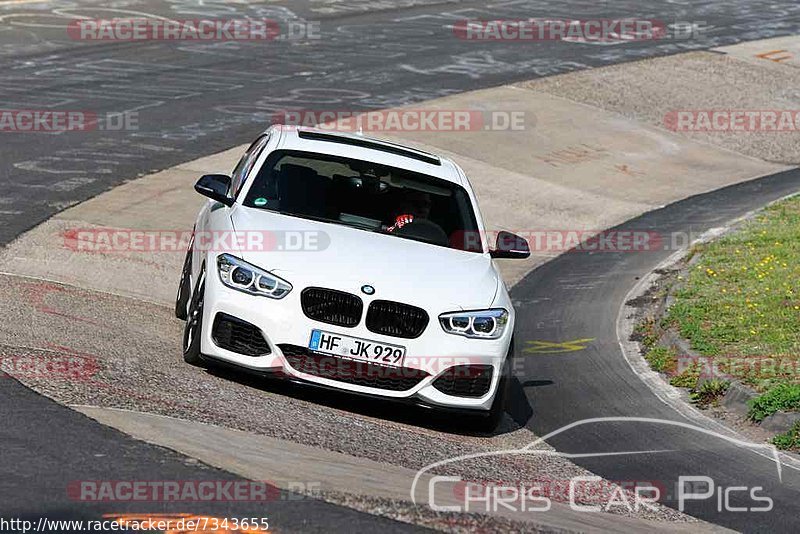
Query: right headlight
{"type": "Point", "coordinates": [481, 324]}
{"type": "Point", "coordinates": [239, 275]}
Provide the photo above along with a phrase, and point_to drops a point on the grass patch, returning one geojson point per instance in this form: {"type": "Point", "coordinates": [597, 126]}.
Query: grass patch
{"type": "Point", "coordinates": [662, 359]}
{"type": "Point", "coordinates": [688, 377]}
{"type": "Point", "coordinates": [742, 296]}
{"type": "Point", "coordinates": [709, 392]}
{"type": "Point", "coordinates": [646, 333]}
{"type": "Point", "coordinates": [790, 441]}
{"type": "Point", "coordinates": [783, 397]}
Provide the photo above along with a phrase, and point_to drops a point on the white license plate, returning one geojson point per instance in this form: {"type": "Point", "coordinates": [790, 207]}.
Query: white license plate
{"type": "Point", "coordinates": [356, 348]}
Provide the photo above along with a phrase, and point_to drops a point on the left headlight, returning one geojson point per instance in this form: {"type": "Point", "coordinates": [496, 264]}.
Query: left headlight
{"type": "Point", "coordinates": [240, 275]}
{"type": "Point", "coordinates": [482, 324]}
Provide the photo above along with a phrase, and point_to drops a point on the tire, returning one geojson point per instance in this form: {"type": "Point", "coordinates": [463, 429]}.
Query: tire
{"type": "Point", "coordinates": [193, 329]}
{"type": "Point", "coordinates": [488, 423]}
{"type": "Point", "coordinates": [184, 287]}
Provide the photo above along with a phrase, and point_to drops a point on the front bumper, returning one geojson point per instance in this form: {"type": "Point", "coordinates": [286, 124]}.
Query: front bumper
{"type": "Point", "coordinates": [286, 329]}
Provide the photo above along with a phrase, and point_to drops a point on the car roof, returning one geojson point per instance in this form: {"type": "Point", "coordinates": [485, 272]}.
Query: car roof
{"type": "Point", "coordinates": [368, 149]}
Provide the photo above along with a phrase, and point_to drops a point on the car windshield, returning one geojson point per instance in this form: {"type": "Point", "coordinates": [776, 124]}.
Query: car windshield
{"type": "Point", "coordinates": [368, 196]}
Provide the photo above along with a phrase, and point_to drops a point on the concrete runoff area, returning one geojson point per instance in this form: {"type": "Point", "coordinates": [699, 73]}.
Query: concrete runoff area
{"type": "Point", "coordinates": [778, 52]}
{"type": "Point", "coordinates": [578, 167]}
{"type": "Point", "coordinates": [730, 79]}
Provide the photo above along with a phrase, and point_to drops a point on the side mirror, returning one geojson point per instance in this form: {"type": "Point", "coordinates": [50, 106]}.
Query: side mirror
{"type": "Point", "coordinates": [511, 246]}
{"type": "Point", "coordinates": [215, 187]}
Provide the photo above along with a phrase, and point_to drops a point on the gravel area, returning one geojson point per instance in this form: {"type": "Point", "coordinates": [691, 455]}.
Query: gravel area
{"type": "Point", "coordinates": [407, 512]}
{"type": "Point", "coordinates": [648, 90]}
{"type": "Point", "coordinates": [125, 353]}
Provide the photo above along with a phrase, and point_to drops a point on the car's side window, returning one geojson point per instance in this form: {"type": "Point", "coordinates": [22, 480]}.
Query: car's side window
{"type": "Point", "coordinates": [245, 164]}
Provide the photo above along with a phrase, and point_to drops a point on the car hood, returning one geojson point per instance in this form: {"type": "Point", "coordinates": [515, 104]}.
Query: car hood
{"type": "Point", "coordinates": [345, 258]}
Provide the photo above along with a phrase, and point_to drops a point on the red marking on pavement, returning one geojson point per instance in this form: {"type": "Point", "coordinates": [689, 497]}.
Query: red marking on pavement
{"type": "Point", "coordinates": [37, 292]}
{"type": "Point", "coordinates": [770, 56]}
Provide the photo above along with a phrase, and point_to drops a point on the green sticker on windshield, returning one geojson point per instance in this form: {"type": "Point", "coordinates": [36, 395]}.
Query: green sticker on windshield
{"type": "Point", "coordinates": [260, 202]}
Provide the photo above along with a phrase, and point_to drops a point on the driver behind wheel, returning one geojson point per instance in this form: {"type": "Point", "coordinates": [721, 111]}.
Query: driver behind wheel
{"type": "Point", "coordinates": [415, 204]}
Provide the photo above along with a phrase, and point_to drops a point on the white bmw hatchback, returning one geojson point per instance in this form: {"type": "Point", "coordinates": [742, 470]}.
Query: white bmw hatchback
{"type": "Point", "coordinates": [353, 264]}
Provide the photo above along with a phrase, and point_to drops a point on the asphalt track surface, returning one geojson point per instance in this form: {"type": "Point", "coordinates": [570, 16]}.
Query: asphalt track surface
{"type": "Point", "coordinates": [193, 99]}
{"type": "Point", "coordinates": [578, 296]}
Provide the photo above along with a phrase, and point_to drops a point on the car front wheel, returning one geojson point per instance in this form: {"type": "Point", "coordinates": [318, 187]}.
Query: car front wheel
{"type": "Point", "coordinates": [193, 329]}
{"type": "Point", "coordinates": [184, 287]}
